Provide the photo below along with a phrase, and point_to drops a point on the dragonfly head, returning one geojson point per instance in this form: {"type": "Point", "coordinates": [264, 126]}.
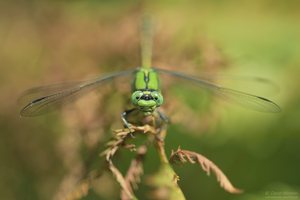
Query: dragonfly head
{"type": "Point", "coordinates": [146, 101]}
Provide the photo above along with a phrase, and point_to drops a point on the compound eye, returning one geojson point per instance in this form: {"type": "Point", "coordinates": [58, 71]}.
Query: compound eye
{"type": "Point", "coordinates": [136, 96]}
{"type": "Point", "coordinates": [155, 96]}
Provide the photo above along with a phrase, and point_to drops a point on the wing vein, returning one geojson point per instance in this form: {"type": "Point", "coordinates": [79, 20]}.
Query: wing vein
{"type": "Point", "coordinates": [60, 93]}
{"type": "Point", "coordinates": [244, 99]}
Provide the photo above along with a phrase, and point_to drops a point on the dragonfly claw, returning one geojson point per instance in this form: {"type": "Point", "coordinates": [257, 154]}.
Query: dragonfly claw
{"type": "Point", "coordinates": [129, 127]}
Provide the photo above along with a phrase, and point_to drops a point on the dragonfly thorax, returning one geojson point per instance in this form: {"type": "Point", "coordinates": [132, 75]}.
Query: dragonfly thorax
{"type": "Point", "coordinates": [146, 100]}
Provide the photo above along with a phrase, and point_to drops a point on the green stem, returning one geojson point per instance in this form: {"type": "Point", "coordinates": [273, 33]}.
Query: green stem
{"type": "Point", "coordinates": [166, 178]}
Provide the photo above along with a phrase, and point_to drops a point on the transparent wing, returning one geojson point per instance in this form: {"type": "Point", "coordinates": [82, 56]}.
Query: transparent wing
{"type": "Point", "coordinates": [242, 98]}
{"type": "Point", "coordinates": [40, 100]}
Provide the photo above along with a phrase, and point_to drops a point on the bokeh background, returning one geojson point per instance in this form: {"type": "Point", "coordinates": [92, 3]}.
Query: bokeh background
{"type": "Point", "coordinates": [43, 42]}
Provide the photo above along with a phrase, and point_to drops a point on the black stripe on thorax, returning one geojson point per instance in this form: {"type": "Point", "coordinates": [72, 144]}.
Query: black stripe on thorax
{"type": "Point", "coordinates": [146, 79]}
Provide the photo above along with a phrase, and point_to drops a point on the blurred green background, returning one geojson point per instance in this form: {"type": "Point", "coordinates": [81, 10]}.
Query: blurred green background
{"type": "Point", "coordinates": [43, 42]}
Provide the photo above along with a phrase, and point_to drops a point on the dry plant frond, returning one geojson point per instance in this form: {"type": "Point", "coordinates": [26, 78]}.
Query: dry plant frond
{"type": "Point", "coordinates": [120, 178]}
{"type": "Point", "coordinates": [120, 137]}
{"type": "Point", "coordinates": [133, 176]}
{"type": "Point", "coordinates": [119, 140]}
{"type": "Point", "coordinates": [136, 168]}
{"type": "Point", "coordinates": [183, 156]}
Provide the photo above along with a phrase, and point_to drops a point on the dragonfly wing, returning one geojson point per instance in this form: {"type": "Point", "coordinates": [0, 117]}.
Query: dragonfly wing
{"type": "Point", "coordinates": [247, 100]}
{"type": "Point", "coordinates": [242, 98]}
{"type": "Point", "coordinates": [45, 98]}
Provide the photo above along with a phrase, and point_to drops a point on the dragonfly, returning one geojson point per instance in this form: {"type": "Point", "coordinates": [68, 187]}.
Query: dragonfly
{"type": "Point", "coordinates": [146, 94]}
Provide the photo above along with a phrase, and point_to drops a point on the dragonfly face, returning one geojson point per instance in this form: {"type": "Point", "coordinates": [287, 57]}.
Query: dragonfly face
{"type": "Point", "coordinates": [146, 101]}
{"type": "Point", "coordinates": [146, 95]}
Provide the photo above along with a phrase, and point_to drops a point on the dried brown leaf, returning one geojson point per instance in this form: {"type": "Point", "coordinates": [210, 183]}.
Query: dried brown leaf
{"type": "Point", "coordinates": [182, 156]}
{"type": "Point", "coordinates": [120, 178]}
{"type": "Point", "coordinates": [133, 176]}
{"type": "Point", "coordinates": [136, 169]}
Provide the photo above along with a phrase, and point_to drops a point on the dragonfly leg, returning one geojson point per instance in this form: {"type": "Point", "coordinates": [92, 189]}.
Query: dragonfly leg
{"type": "Point", "coordinates": [163, 117]}
{"type": "Point", "coordinates": [124, 117]}
{"type": "Point", "coordinates": [163, 127]}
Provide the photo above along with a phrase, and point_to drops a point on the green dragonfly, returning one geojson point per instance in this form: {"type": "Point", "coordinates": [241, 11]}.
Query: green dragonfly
{"type": "Point", "coordinates": [146, 95]}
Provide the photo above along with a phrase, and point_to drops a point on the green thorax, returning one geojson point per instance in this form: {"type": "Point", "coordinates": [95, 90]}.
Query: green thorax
{"type": "Point", "coordinates": [146, 79]}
